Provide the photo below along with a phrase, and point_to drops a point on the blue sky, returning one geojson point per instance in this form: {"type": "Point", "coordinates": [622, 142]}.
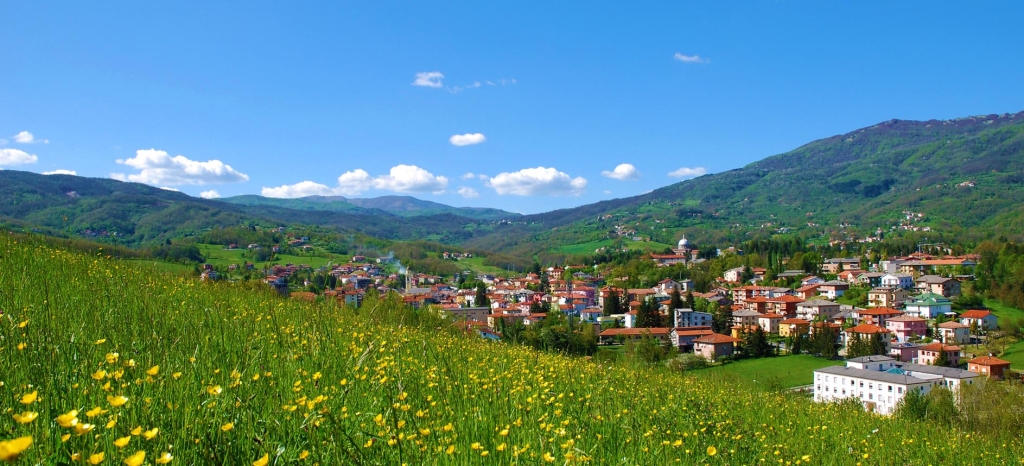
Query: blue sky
{"type": "Point", "coordinates": [524, 106]}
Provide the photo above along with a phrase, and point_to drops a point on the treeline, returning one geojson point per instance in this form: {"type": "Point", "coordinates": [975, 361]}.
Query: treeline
{"type": "Point", "coordinates": [1000, 271]}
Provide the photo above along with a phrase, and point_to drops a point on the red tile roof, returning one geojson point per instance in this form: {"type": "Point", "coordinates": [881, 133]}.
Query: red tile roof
{"type": "Point", "coordinates": [989, 361]}
{"type": "Point", "coordinates": [716, 338]}
{"type": "Point", "coordinates": [866, 328]}
{"type": "Point", "coordinates": [975, 314]}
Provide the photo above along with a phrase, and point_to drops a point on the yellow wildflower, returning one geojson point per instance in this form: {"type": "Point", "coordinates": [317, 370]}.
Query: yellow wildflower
{"type": "Point", "coordinates": [153, 370]}
{"type": "Point", "coordinates": [227, 427]}
{"type": "Point", "coordinates": [96, 458]}
{"type": "Point", "coordinates": [101, 341]}
{"type": "Point", "coordinates": [82, 428]}
{"type": "Point", "coordinates": [164, 458]}
{"type": "Point", "coordinates": [712, 451]}
{"type": "Point", "coordinates": [23, 324]}
{"type": "Point", "coordinates": [262, 461]}
{"type": "Point", "coordinates": [214, 390]}
{"type": "Point", "coordinates": [137, 459]}
{"type": "Point", "coordinates": [29, 398]}
{"type": "Point", "coordinates": [149, 434]}
{"type": "Point", "coordinates": [99, 375]}
{"type": "Point", "coordinates": [304, 454]}
{"type": "Point", "coordinates": [116, 400]}
{"type": "Point", "coordinates": [68, 419]}
{"type": "Point", "coordinates": [26, 417]}
{"type": "Point", "coordinates": [137, 431]}
{"type": "Point", "coordinates": [112, 357]}
{"type": "Point", "coordinates": [95, 412]}
{"type": "Point", "coordinates": [123, 441]}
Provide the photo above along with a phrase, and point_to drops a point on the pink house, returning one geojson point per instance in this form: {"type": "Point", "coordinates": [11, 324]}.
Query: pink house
{"type": "Point", "coordinates": [715, 345]}
{"type": "Point", "coordinates": [930, 353]}
{"type": "Point", "coordinates": [906, 327]}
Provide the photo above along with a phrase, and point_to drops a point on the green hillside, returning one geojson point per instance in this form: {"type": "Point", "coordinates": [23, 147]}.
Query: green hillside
{"type": "Point", "coordinates": [405, 206]}
{"type": "Point", "coordinates": [964, 178]}
{"type": "Point", "coordinates": [205, 373]}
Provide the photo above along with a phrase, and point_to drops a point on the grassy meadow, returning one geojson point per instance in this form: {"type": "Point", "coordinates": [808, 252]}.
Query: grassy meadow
{"type": "Point", "coordinates": [782, 371]}
{"type": "Point", "coordinates": [110, 362]}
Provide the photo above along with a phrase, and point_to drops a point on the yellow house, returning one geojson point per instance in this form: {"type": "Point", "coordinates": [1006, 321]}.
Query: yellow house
{"type": "Point", "coordinates": [793, 327]}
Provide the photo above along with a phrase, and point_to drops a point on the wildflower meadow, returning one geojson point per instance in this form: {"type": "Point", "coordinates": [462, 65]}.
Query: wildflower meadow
{"type": "Point", "coordinates": [112, 362]}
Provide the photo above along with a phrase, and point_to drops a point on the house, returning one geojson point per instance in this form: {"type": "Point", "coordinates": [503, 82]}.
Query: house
{"type": "Point", "coordinates": [929, 354]}
{"type": "Point", "coordinates": [837, 265]}
{"type": "Point", "coordinates": [811, 280]}
{"type": "Point", "coordinates": [875, 315]}
{"type": "Point", "coordinates": [785, 304]}
{"type": "Point", "coordinates": [928, 306]}
{"type": "Point", "coordinates": [989, 366]}
{"type": "Point", "coordinates": [872, 279]}
{"type": "Point", "coordinates": [833, 289]}
{"type": "Point", "coordinates": [745, 318]}
{"type": "Point", "coordinates": [612, 334]}
{"type": "Point", "coordinates": [591, 314]}
{"type": "Point", "coordinates": [904, 352]}
{"type": "Point", "coordinates": [691, 318]}
{"type": "Point", "coordinates": [984, 319]}
{"type": "Point", "coordinates": [887, 296]}
{"type": "Point", "coordinates": [954, 333]}
{"type": "Point", "coordinates": [666, 260]}
{"type": "Point", "coordinates": [807, 291]}
{"type": "Point", "coordinates": [770, 322]}
{"type": "Point", "coordinates": [790, 274]}
{"type": "Point", "coordinates": [906, 327]}
{"type": "Point", "coordinates": [810, 310]}
{"type": "Point", "coordinates": [848, 276]}
{"type": "Point", "coordinates": [478, 314]}
{"type": "Point", "coordinates": [733, 275]}
{"type": "Point", "coordinates": [880, 382]}
{"type": "Point", "coordinates": [683, 337]}
{"type": "Point", "coordinates": [715, 345]}
{"type": "Point", "coordinates": [898, 280]}
{"type": "Point", "coordinates": [794, 327]}
{"type": "Point", "coordinates": [867, 332]}
{"type": "Point", "coordinates": [945, 286]}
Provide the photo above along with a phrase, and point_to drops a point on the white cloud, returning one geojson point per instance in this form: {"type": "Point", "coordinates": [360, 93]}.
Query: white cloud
{"type": "Point", "coordinates": [156, 167]}
{"type": "Point", "coordinates": [211, 194]}
{"type": "Point", "coordinates": [623, 172]}
{"type": "Point", "coordinates": [428, 79]}
{"type": "Point", "coordinates": [687, 172]}
{"type": "Point", "coordinates": [301, 189]}
{"type": "Point", "coordinates": [165, 188]}
{"type": "Point", "coordinates": [411, 179]}
{"type": "Point", "coordinates": [26, 137]}
{"type": "Point", "coordinates": [468, 175]}
{"type": "Point", "coordinates": [16, 157]}
{"type": "Point", "coordinates": [690, 58]}
{"type": "Point", "coordinates": [353, 182]}
{"type": "Point", "coordinates": [61, 172]}
{"type": "Point", "coordinates": [467, 139]}
{"type": "Point", "coordinates": [3, 142]}
{"type": "Point", "coordinates": [538, 181]}
{"type": "Point", "coordinates": [607, 191]}
{"type": "Point", "coordinates": [468, 193]}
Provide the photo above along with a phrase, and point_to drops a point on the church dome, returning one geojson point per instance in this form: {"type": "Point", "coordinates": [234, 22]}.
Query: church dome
{"type": "Point", "coordinates": [683, 243]}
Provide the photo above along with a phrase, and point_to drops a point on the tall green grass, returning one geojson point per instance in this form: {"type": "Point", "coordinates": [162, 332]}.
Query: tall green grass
{"type": "Point", "coordinates": [241, 373]}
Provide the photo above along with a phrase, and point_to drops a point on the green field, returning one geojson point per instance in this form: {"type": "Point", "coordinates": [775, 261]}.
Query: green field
{"type": "Point", "coordinates": [1015, 354]}
{"type": "Point", "coordinates": [476, 264]}
{"type": "Point", "coordinates": [162, 266]}
{"type": "Point", "coordinates": [1003, 311]}
{"type": "Point", "coordinates": [788, 371]}
{"type": "Point", "coordinates": [590, 247]}
{"type": "Point", "coordinates": [218, 256]}
{"type": "Point", "coordinates": [118, 363]}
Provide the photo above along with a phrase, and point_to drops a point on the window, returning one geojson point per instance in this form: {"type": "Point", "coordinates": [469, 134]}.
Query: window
{"type": "Point", "coordinates": [871, 396]}
{"type": "Point", "coordinates": [861, 384]}
{"type": "Point", "coordinates": [890, 388]}
{"type": "Point", "coordinates": [899, 390]}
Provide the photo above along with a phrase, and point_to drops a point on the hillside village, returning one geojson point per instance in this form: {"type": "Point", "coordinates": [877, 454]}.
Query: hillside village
{"type": "Point", "coordinates": [908, 337]}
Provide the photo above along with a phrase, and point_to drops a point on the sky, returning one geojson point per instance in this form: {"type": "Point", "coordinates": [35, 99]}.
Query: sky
{"type": "Point", "coordinates": [522, 106]}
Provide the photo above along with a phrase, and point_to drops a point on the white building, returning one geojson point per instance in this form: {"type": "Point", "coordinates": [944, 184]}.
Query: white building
{"type": "Point", "coordinates": [898, 280]}
{"type": "Point", "coordinates": [879, 382]}
{"type": "Point", "coordinates": [691, 318]}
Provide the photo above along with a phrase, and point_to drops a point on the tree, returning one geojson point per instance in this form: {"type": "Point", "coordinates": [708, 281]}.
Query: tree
{"type": "Point", "coordinates": [611, 303]}
{"type": "Point", "coordinates": [823, 342]}
{"type": "Point", "coordinates": [481, 296]}
{"type": "Point", "coordinates": [647, 314]}
{"type": "Point", "coordinates": [943, 358]}
{"type": "Point", "coordinates": [796, 344]}
{"type": "Point", "coordinates": [721, 318]}
{"type": "Point", "coordinates": [690, 302]}
{"type": "Point", "coordinates": [756, 345]}
{"type": "Point", "coordinates": [676, 301]}
{"type": "Point", "coordinates": [877, 345]}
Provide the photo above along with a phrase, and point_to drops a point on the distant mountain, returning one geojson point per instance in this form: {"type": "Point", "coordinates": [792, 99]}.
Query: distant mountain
{"type": "Point", "coordinates": [405, 206]}
{"type": "Point", "coordinates": [142, 214]}
{"type": "Point", "coordinates": [963, 177]}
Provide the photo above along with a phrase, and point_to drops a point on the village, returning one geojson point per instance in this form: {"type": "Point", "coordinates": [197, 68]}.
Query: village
{"type": "Point", "coordinates": [908, 337]}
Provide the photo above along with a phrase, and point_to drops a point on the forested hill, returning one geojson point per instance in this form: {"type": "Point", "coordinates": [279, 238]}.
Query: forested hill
{"type": "Point", "coordinates": [142, 214]}
{"type": "Point", "coordinates": [963, 176]}
{"type": "Point", "coordinates": [406, 206]}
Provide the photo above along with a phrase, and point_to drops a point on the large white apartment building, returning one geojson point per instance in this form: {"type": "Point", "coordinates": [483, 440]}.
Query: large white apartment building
{"type": "Point", "coordinates": [879, 382]}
